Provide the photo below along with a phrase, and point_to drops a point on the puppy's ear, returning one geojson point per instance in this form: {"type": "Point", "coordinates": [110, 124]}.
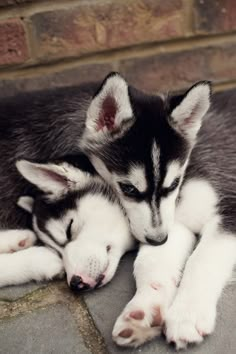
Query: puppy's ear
{"type": "Point", "coordinates": [110, 113]}
{"type": "Point", "coordinates": [187, 111]}
{"type": "Point", "coordinates": [52, 179]}
{"type": "Point", "coordinates": [26, 202]}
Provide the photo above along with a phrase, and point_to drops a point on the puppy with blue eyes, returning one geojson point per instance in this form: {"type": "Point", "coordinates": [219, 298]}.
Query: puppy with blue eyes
{"type": "Point", "coordinates": [79, 221]}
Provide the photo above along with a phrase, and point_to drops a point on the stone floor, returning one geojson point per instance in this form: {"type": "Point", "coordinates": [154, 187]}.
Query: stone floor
{"type": "Point", "coordinates": [48, 318]}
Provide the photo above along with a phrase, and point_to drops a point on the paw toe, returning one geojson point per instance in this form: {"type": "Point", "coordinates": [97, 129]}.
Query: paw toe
{"type": "Point", "coordinates": [22, 243]}
{"type": "Point", "coordinates": [137, 315]}
{"type": "Point", "coordinates": [126, 333]}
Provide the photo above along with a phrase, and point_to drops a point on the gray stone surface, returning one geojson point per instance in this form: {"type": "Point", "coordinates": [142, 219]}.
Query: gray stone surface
{"type": "Point", "coordinates": [51, 330]}
{"type": "Point", "coordinates": [107, 303]}
{"type": "Point", "coordinates": [12, 293]}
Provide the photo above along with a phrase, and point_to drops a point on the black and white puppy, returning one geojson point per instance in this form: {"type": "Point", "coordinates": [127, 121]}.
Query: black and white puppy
{"type": "Point", "coordinates": [172, 165]}
{"type": "Point", "coordinates": [79, 220]}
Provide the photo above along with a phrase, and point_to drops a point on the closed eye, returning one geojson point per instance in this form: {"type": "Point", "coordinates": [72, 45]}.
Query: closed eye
{"type": "Point", "coordinates": [68, 231]}
{"type": "Point", "coordinates": [167, 190]}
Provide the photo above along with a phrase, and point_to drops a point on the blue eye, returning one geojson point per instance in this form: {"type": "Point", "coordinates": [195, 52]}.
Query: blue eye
{"type": "Point", "coordinates": [165, 191]}
{"type": "Point", "coordinates": [129, 190]}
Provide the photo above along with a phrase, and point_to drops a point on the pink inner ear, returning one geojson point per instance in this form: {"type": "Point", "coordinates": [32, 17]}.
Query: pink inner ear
{"type": "Point", "coordinates": [53, 176]}
{"type": "Point", "coordinates": [107, 114]}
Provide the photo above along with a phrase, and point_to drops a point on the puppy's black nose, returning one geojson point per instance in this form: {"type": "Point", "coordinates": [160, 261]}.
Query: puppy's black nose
{"type": "Point", "coordinates": [154, 242]}
{"type": "Point", "coordinates": [77, 284]}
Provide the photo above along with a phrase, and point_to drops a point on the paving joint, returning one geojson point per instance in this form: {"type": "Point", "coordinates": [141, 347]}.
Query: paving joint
{"type": "Point", "coordinates": [91, 335]}
{"type": "Point", "coordinates": [57, 293]}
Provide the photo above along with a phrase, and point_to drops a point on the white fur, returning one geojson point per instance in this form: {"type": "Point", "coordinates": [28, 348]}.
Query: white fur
{"type": "Point", "coordinates": [140, 219]}
{"type": "Point", "coordinates": [139, 214]}
{"type": "Point", "coordinates": [26, 203]}
{"type": "Point", "coordinates": [193, 313]}
{"type": "Point", "coordinates": [187, 116]}
{"type": "Point", "coordinates": [44, 238]}
{"type": "Point", "coordinates": [167, 212]}
{"type": "Point", "coordinates": [157, 271]}
{"type": "Point", "coordinates": [34, 263]}
{"type": "Point", "coordinates": [100, 232]}
{"type": "Point", "coordinates": [15, 240]}
{"type": "Point", "coordinates": [87, 255]}
{"type": "Point", "coordinates": [92, 232]}
{"type": "Point", "coordinates": [156, 160]}
{"type": "Point", "coordinates": [173, 171]}
{"type": "Point", "coordinates": [197, 204]}
{"type": "Point", "coordinates": [137, 177]}
{"type": "Point", "coordinates": [69, 177]}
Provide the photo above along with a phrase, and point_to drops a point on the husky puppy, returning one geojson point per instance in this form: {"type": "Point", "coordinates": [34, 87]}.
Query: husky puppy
{"type": "Point", "coordinates": [79, 220]}
{"type": "Point", "coordinates": [174, 180]}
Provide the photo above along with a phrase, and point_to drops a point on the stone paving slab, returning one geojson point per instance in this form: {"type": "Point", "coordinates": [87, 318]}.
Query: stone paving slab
{"type": "Point", "coordinates": [11, 293]}
{"type": "Point", "coordinates": [106, 304]}
{"type": "Point", "coordinates": [54, 329]}
{"type": "Point", "coordinates": [51, 330]}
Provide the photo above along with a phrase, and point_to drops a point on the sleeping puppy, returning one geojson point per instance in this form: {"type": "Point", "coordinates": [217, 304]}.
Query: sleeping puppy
{"type": "Point", "coordinates": [79, 221]}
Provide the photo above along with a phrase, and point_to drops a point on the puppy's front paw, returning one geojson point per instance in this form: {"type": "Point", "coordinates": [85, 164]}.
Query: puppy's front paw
{"type": "Point", "coordinates": [143, 317]}
{"type": "Point", "coordinates": [16, 240]}
{"type": "Point", "coordinates": [25, 240]}
{"type": "Point", "coordinates": [50, 265]}
{"type": "Point", "coordinates": [188, 322]}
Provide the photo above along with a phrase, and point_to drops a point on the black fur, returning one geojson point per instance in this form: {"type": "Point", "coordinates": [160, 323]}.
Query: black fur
{"type": "Point", "coordinates": [38, 127]}
{"type": "Point", "coordinates": [48, 126]}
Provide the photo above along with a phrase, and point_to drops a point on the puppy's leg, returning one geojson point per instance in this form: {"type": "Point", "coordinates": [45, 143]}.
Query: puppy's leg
{"type": "Point", "coordinates": [157, 271]}
{"type": "Point", "coordinates": [15, 240]}
{"type": "Point", "coordinates": [193, 312]}
{"type": "Point", "coordinates": [34, 263]}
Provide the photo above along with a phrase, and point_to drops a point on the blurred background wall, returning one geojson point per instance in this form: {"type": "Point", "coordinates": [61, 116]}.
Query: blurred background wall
{"type": "Point", "coordinates": [155, 44]}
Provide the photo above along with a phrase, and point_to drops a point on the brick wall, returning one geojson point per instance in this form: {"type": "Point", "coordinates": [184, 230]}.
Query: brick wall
{"type": "Point", "coordinates": [156, 44]}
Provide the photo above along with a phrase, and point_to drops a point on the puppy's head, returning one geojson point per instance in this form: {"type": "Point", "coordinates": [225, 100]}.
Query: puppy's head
{"type": "Point", "coordinates": [140, 144]}
{"type": "Point", "coordinates": [75, 215]}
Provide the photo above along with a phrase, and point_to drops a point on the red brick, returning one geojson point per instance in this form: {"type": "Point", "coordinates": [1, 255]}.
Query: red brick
{"type": "Point", "coordinates": [13, 48]}
{"type": "Point", "coordinates": [177, 70]}
{"type": "Point", "coordinates": [103, 25]}
{"type": "Point", "coordinates": [63, 78]}
{"type": "Point", "coordinates": [215, 16]}
{"type": "Point", "coordinates": [222, 62]}
{"type": "Point", "coordinates": [165, 72]}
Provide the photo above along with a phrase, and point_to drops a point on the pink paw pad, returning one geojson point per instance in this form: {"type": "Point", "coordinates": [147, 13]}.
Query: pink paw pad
{"type": "Point", "coordinates": [126, 333]}
{"type": "Point", "coordinates": [22, 243]}
{"type": "Point", "coordinates": [202, 333]}
{"type": "Point", "coordinates": [137, 315]}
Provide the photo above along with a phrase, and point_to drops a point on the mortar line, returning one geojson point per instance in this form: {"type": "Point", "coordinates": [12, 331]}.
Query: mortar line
{"type": "Point", "coordinates": [223, 86]}
{"type": "Point", "coordinates": [31, 8]}
{"type": "Point", "coordinates": [117, 54]}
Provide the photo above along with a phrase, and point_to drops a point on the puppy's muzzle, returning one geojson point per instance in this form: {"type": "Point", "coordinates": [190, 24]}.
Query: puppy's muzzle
{"type": "Point", "coordinates": [77, 284]}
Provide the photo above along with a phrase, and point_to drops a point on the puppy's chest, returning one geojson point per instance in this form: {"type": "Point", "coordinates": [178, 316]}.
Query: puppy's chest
{"type": "Point", "coordinates": [197, 204]}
